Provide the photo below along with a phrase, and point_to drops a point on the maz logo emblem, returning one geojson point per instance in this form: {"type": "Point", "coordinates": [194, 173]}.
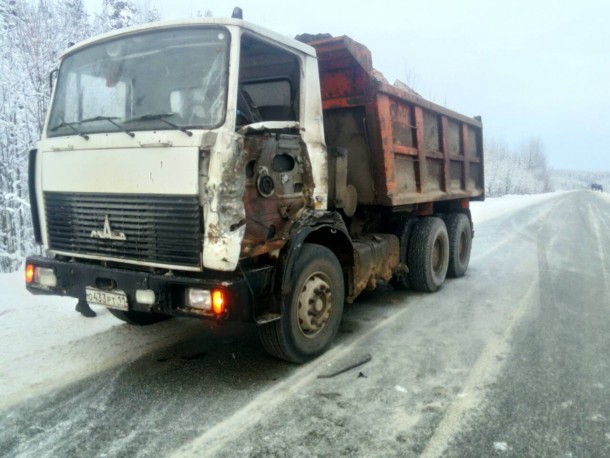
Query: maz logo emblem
{"type": "Point", "coordinates": [108, 233]}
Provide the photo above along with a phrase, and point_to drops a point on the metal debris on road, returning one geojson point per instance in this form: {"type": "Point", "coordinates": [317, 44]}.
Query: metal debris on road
{"type": "Point", "coordinates": [358, 360]}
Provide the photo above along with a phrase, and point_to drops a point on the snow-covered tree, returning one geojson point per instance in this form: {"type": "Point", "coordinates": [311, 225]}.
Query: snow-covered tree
{"type": "Point", "coordinates": [516, 172]}
{"type": "Point", "coordinates": [206, 13]}
{"type": "Point", "coordinates": [33, 34]}
{"type": "Point", "coordinates": [117, 14]}
{"type": "Point", "coordinates": [76, 20]}
{"type": "Point", "coordinates": [535, 161]}
{"type": "Point", "coordinates": [146, 12]}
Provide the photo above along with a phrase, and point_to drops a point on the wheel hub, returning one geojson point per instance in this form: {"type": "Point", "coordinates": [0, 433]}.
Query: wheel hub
{"type": "Point", "coordinates": [315, 305]}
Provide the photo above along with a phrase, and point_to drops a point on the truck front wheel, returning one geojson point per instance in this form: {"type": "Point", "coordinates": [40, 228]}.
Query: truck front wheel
{"type": "Point", "coordinates": [428, 255]}
{"type": "Point", "coordinates": [312, 311]}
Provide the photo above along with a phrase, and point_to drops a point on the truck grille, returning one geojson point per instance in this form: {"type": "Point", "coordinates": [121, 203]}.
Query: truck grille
{"type": "Point", "coordinates": [151, 229]}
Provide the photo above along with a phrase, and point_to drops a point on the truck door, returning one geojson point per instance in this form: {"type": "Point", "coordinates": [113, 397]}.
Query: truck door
{"type": "Point", "coordinates": [277, 170]}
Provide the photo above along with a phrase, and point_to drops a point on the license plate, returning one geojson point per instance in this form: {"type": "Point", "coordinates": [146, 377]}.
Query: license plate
{"type": "Point", "coordinates": [114, 299]}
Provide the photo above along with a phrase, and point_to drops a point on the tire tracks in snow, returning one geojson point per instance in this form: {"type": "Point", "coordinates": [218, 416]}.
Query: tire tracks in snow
{"type": "Point", "coordinates": [522, 230]}
{"type": "Point", "coordinates": [88, 356]}
{"type": "Point", "coordinates": [227, 431]}
{"type": "Point", "coordinates": [594, 220]}
{"type": "Point", "coordinates": [485, 370]}
{"type": "Point", "coordinates": [489, 364]}
{"type": "Point", "coordinates": [487, 367]}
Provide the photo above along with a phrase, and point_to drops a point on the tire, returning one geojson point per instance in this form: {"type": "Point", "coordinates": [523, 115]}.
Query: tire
{"type": "Point", "coordinates": [139, 318]}
{"type": "Point", "coordinates": [402, 228]}
{"type": "Point", "coordinates": [460, 244]}
{"type": "Point", "coordinates": [428, 255]}
{"type": "Point", "coordinates": [312, 311]}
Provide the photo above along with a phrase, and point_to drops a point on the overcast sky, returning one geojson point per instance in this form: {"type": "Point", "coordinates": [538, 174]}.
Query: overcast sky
{"type": "Point", "coordinates": [529, 68]}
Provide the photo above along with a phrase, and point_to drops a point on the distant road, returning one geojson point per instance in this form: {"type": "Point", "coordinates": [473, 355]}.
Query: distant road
{"type": "Point", "coordinates": [511, 360]}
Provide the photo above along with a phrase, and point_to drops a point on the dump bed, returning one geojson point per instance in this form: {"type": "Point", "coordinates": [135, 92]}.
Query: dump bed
{"type": "Point", "coordinates": [401, 148]}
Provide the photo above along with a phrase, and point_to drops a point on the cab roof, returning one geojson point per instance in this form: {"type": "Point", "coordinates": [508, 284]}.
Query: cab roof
{"type": "Point", "coordinates": [227, 22]}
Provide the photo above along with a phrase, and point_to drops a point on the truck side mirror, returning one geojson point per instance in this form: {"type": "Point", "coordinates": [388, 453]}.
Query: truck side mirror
{"type": "Point", "coordinates": [52, 75]}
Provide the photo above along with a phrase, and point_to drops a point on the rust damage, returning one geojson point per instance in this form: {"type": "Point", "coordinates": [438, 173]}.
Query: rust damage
{"type": "Point", "coordinates": [222, 190]}
{"type": "Point", "coordinates": [376, 258]}
{"type": "Point", "coordinates": [422, 152]}
{"type": "Point", "coordinates": [278, 188]}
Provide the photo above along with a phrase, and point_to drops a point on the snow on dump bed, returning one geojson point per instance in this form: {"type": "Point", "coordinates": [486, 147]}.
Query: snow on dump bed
{"type": "Point", "coordinates": [46, 344]}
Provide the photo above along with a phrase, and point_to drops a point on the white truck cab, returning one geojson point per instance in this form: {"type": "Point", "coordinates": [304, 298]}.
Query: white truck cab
{"type": "Point", "coordinates": [161, 112]}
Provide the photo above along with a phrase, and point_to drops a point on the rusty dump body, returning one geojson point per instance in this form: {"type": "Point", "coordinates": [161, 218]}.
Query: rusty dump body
{"type": "Point", "coordinates": [402, 149]}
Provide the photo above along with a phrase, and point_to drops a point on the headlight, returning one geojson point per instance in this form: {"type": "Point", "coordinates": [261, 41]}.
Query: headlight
{"type": "Point", "coordinates": [209, 301]}
{"type": "Point", "coordinates": [199, 299]}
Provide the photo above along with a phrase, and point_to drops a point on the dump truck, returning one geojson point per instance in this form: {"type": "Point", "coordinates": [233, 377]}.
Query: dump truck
{"type": "Point", "coordinates": [213, 169]}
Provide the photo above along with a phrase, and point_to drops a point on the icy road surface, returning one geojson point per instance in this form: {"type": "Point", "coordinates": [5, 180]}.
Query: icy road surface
{"type": "Point", "coordinates": [511, 360]}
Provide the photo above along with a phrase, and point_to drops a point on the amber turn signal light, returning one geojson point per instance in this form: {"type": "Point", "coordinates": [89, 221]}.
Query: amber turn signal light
{"type": "Point", "coordinates": [218, 302]}
{"type": "Point", "coordinates": [29, 273]}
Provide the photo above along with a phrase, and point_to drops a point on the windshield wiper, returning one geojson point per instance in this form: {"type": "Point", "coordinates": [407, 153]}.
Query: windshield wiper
{"type": "Point", "coordinates": [161, 117]}
{"type": "Point", "coordinates": [110, 119]}
{"type": "Point", "coordinates": [71, 126]}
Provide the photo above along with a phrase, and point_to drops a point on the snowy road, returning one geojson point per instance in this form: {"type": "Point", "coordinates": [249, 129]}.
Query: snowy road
{"type": "Point", "coordinates": [511, 360]}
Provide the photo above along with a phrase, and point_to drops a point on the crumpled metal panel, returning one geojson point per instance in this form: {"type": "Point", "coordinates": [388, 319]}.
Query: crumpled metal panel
{"type": "Point", "coordinates": [224, 211]}
{"type": "Point", "coordinates": [278, 187]}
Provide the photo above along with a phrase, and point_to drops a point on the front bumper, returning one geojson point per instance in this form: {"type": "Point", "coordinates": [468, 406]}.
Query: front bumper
{"type": "Point", "coordinates": [170, 290]}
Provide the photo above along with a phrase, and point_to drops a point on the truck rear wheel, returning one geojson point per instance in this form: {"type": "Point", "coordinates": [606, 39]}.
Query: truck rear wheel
{"type": "Point", "coordinates": [139, 318]}
{"type": "Point", "coordinates": [312, 311]}
{"type": "Point", "coordinates": [428, 255]}
{"type": "Point", "coordinates": [460, 244]}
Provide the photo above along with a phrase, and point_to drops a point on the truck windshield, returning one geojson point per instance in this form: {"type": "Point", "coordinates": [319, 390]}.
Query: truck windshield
{"type": "Point", "coordinates": [181, 73]}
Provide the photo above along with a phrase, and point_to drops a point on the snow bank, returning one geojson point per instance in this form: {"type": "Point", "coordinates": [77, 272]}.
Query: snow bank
{"type": "Point", "coordinates": [604, 195]}
{"type": "Point", "coordinates": [500, 206]}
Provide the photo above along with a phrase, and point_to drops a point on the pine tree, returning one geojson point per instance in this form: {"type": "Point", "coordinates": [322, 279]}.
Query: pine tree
{"type": "Point", "coordinates": [117, 14]}
{"type": "Point", "coordinates": [146, 13]}
{"type": "Point", "coordinates": [19, 121]}
{"type": "Point", "coordinates": [33, 36]}
{"type": "Point", "coordinates": [516, 172]}
{"type": "Point", "coordinates": [76, 20]}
